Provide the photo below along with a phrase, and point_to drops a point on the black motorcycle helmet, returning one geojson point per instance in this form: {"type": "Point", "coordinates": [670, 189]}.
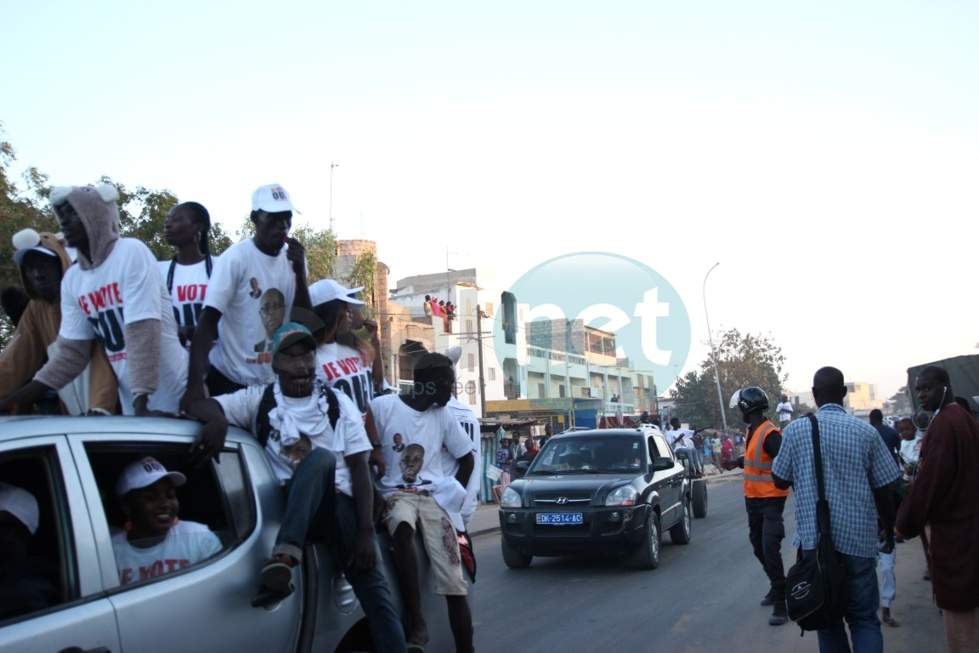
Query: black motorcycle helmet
{"type": "Point", "coordinates": [749, 400]}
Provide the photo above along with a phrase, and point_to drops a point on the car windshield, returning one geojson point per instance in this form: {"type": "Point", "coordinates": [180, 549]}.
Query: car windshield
{"type": "Point", "coordinates": [594, 455]}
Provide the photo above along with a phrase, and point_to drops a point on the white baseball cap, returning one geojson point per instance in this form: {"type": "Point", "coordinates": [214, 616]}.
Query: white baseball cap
{"type": "Point", "coordinates": [28, 240]}
{"type": "Point", "coordinates": [326, 290]}
{"type": "Point", "coordinates": [454, 353]}
{"type": "Point", "coordinates": [143, 473]}
{"type": "Point", "coordinates": [21, 504]}
{"type": "Point", "coordinates": [272, 198]}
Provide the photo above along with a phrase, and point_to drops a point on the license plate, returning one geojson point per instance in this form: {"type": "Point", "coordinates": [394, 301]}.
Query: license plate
{"type": "Point", "coordinates": [558, 518]}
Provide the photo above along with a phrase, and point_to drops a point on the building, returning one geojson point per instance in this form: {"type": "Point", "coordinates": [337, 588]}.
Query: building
{"type": "Point", "coordinates": [860, 399]}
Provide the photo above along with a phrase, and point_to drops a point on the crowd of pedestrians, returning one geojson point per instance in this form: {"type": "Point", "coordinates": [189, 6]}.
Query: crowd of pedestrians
{"type": "Point", "coordinates": [244, 339]}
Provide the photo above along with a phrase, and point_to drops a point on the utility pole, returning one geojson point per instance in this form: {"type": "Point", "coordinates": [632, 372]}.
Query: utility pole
{"type": "Point", "coordinates": [479, 344]}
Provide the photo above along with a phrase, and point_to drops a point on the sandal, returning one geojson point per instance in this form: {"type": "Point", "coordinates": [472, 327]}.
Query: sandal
{"type": "Point", "coordinates": [889, 620]}
{"type": "Point", "coordinates": [276, 582]}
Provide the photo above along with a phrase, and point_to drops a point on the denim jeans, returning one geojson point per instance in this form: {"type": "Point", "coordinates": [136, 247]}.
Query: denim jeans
{"type": "Point", "coordinates": [310, 503]}
{"type": "Point", "coordinates": [861, 612]}
{"type": "Point", "coordinates": [370, 585]}
{"type": "Point", "coordinates": [696, 464]}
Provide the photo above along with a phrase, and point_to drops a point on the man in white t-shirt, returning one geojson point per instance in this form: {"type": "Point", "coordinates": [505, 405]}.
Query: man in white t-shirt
{"type": "Point", "coordinates": [252, 290]}
{"type": "Point", "coordinates": [316, 444]}
{"type": "Point", "coordinates": [115, 295]}
{"type": "Point", "coordinates": [681, 441]}
{"type": "Point", "coordinates": [784, 411]}
{"type": "Point", "coordinates": [467, 420]}
{"type": "Point", "coordinates": [420, 495]}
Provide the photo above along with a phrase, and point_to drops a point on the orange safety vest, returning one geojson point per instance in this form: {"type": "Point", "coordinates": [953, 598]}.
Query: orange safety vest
{"type": "Point", "coordinates": [758, 482]}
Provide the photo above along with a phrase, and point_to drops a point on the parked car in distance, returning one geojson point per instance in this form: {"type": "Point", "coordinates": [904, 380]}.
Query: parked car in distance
{"type": "Point", "coordinates": [609, 491]}
{"type": "Point", "coordinates": [71, 464]}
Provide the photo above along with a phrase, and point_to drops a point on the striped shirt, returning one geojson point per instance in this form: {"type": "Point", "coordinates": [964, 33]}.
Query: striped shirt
{"type": "Point", "coordinates": [855, 462]}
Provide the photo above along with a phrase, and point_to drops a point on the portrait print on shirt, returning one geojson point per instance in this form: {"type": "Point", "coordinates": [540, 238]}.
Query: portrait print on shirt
{"type": "Point", "coordinates": [412, 461]}
{"type": "Point", "coordinates": [399, 443]}
{"type": "Point", "coordinates": [271, 311]}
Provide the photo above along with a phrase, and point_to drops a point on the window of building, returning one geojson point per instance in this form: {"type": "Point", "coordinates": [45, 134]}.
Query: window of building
{"type": "Point", "coordinates": [540, 391]}
{"type": "Point", "coordinates": [469, 326]}
{"type": "Point", "coordinates": [491, 373]}
{"type": "Point", "coordinates": [560, 390]}
{"type": "Point", "coordinates": [471, 393]}
{"type": "Point", "coordinates": [489, 309]}
{"type": "Point", "coordinates": [471, 362]}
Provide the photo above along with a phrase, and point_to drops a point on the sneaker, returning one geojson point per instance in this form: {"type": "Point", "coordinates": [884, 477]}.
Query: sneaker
{"type": "Point", "coordinates": [780, 614]}
{"type": "Point", "coordinates": [769, 599]}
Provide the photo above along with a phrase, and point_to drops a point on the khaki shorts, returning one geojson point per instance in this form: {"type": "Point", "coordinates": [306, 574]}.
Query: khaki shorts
{"type": "Point", "coordinates": [438, 534]}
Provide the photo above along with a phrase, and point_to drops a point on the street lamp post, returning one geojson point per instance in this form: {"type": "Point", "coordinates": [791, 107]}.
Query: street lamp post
{"type": "Point", "coordinates": [713, 352]}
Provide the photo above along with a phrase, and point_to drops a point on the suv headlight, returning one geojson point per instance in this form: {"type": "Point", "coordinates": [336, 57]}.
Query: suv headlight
{"type": "Point", "coordinates": [623, 496]}
{"type": "Point", "coordinates": [510, 498]}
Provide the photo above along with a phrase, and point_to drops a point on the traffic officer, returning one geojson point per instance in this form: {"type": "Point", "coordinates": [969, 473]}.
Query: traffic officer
{"type": "Point", "coordinates": [763, 501]}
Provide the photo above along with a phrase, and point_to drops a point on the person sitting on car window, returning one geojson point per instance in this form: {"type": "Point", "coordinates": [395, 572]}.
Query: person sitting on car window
{"type": "Point", "coordinates": [317, 446]}
{"type": "Point", "coordinates": [27, 583]}
{"type": "Point", "coordinates": [154, 542]}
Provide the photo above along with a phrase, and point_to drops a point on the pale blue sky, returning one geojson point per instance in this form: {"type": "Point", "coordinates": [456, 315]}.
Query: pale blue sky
{"type": "Point", "coordinates": [825, 153]}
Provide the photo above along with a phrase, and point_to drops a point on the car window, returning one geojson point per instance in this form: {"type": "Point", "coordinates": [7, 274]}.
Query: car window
{"type": "Point", "coordinates": [662, 448]}
{"type": "Point", "coordinates": [168, 526]}
{"type": "Point", "coordinates": [590, 455]}
{"type": "Point", "coordinates": [37, 569]}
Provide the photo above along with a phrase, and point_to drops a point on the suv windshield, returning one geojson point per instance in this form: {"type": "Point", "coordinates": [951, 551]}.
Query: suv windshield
{"type": "Point", "coordinates": [595, 455]}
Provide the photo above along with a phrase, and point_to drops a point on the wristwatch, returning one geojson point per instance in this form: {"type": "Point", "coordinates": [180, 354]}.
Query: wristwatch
{"type": "Point", "coordinates": [376, 445]}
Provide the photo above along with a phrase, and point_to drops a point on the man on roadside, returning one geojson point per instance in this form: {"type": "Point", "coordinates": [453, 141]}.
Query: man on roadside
{"type": "Point", "coordinates": [857, 472]}
{"type": "Point", "coordinates": [316, 444]}
{"type": "Point", "coordinates": [114, 294]}
{"type": "Point", "coordinates": [421, 497]}
{"type": "Point", "coordinates": [763, 501]}
{"type": "Point", "coordinates": [253, 288]}
{"type": "Point", "coordinates": [943, 501]}
{"type": "Point", "coordinates": [784, 411]}
{"type": "Point", "coordinates": [42, 262]}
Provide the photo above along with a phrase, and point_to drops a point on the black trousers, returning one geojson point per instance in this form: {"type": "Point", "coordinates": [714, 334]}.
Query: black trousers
{"type": "Point", "coordinates": [766, 530]}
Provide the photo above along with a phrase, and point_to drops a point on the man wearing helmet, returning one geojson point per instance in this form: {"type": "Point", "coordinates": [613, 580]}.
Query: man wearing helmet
{"type": "Point", "coordinates": [763, 501]}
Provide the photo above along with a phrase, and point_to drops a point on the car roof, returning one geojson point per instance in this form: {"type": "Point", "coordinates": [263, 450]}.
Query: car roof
{"type": "Point", "coordinates": [601, 433]}
{"type": "Point", "coordinates": [37, 425]}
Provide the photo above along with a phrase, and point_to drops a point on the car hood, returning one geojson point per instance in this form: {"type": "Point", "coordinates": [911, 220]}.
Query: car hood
{"type": "Point", "coordinates": [566, 483]}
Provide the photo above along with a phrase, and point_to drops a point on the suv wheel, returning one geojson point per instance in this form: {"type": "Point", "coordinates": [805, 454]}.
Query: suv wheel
{"type": "Point", "coordinates": [513, 558]}
{"type": "Point", "coordinates": [647, 555]}
{"type": "Point", "coordinates": [699, 493]}
{"type": "Point", "coordinates": [680, 533]}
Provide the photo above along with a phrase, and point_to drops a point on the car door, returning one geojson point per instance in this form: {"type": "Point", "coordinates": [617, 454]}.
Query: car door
{"type": "Point", "coordinates": [80, 618]}
{"type": "Point", "coordinates": [206, 606]}
{"type": "Point", "coordinates": [669, 483]}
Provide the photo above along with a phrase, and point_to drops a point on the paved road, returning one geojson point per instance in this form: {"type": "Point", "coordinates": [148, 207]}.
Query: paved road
{"type": "Point", "coordinates": [704, 596]}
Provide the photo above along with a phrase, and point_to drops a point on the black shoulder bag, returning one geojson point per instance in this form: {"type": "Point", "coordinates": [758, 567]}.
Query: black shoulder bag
{"type": "Point", "coordinates": [815, 587]}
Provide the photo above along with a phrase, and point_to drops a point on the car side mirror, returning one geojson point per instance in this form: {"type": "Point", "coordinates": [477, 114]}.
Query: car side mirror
{"type": "Point", "coordinates": [520, 468]}
{"type": "Point", "coordinates": [662, 463]}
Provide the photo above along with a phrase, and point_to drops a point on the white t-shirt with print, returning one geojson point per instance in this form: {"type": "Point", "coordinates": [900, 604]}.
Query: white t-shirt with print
{"type": "Point", "coordinates": [99, 303]}
{"type": "Point", "coordinates": [450, 464]}
{"type": "Point", "coordinates": [254, 292]}
{"type": "Point", "coordinates": [348, 439]}
{"type": "Point", "coordinates": [430, 430]}
{"type": "Point", "coordinates": [343, 368]}
{"type": "Point", "coordinates": [784, 411]}
{"type": "Point", "coordinates": [185, 544]}
{"type": "Point", "coordinates": [189, 289]}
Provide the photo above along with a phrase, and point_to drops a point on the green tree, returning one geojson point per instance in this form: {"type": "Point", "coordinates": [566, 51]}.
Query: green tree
{"type": "Point", "coordinates": [364, 274]}
{"type": "Point", "coordinates": [900, 403]}
{"type": "Point", "coordinates": [742, 360]}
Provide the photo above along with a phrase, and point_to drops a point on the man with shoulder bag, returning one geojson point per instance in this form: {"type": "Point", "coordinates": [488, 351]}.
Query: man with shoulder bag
{"type": "Point", "coordinates": [839, 495]}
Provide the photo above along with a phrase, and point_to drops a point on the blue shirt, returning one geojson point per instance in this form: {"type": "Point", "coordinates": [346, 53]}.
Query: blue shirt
{"type": "Point", "coordinates": [892, 439]}
{"type": "Point", "coordinates": [855, 462]}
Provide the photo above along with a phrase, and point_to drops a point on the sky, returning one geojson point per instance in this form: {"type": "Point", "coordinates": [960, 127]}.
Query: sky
{"type": "Point", "coordinates": [824, 154]}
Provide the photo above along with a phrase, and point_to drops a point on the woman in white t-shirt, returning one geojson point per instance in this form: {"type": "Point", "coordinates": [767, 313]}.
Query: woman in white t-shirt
{"type": "Point", "coordinates": [344, 368]}
{"type": "Point", "coordinates": [186, 275]}
{"type": "Point", "coordinates": [154, 541]}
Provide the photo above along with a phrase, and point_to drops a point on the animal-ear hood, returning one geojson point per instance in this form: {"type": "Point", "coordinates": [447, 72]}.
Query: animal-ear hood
{"type": "Point", "coordinates": [99, 212]}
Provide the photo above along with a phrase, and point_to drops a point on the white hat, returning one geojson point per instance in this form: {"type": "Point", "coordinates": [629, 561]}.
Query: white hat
{"type": "Point", "coordinates": [454, 353]}
{"type": "Point", "coordinates": [143, 473]}
{"type": "Point", "coordinates": [326, 290]}
{"type": "Point", "coordinates": [21, 504]}
{"type": "Point", "coordinates": [272, 198]}
{"type": "Point", "coordinates": [28, 240]}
